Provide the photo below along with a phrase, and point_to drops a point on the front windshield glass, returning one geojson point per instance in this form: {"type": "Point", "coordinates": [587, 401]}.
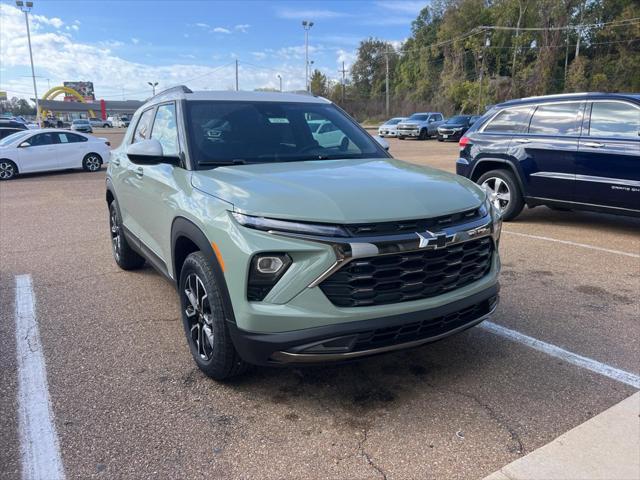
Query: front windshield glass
{"type": "Point", "coordinates": [77, 122]}
{"type": "Point", "coordinates": [418, 116]}
{"type": "Point", "coordinates": [222, 133]}
{"type": "Point", "coordinates": [13, 137]}
{"type": "Point", "coordinates": [394, 121]}
{"type": "Point", "coordinates": [458, 119]}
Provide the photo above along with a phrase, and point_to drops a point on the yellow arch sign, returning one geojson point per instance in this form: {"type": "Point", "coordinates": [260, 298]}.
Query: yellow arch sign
{"type": "Point", "coordinates": [55, 91]}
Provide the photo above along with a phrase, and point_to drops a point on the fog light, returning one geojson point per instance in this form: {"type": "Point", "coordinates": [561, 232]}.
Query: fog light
{"type": "Point", "coordinates": [265, 271]}
{"type": "Point", "coordinates": [269, 265]}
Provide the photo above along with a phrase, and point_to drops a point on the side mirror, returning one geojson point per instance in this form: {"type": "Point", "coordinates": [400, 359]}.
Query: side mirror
{"type": "Point", "coordinates": [149, 152]}
{"type": "Point", "coordinates": [24, 145]}
{"type": "Point", "coordinates": [382, 142]}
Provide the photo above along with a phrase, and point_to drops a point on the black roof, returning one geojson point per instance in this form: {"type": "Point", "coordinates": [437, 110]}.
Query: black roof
{"type": "Point", "coordinates": [571, 96]}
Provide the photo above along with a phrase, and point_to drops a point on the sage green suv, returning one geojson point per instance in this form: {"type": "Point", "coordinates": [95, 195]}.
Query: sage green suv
{"type": "Point", "coordinates": [290, 245]}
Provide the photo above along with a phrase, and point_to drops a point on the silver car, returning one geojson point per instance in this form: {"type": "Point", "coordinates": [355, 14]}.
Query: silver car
{"type": "Point", "coordinates": [390, 127]}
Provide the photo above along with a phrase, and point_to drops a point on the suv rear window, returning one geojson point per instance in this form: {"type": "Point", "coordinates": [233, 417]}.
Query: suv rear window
{"type": "Point", "coordinates": [511, 120]}
{"type": "Point", "coordinates": [222, 132]}
{"type": "Point", "coordinates": [556, 119]}
{"type": "Point", "coordinates": [614, 119]}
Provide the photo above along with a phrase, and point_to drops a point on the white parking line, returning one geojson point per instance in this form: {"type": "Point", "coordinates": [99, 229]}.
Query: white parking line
{"type": "Point", "coordinates": [574, 244]}
{"type": "Point", "coordinates": [39, 446]}
{"type": "Point", "coordinates": [567, 356]}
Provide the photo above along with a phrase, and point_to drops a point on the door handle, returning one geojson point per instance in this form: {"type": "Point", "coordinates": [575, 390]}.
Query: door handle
{"type": "Point", "coordinates": [139, 171]}
{"type": "Point", "coordinates": [523, 140]}
{"type": "Point", "coordinates": [593, 144]}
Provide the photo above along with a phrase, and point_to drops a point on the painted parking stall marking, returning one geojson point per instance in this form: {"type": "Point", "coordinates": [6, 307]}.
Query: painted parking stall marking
{"type": "Point", "coordinates": [39, 447]}
{"type": "Point", "coordinates": [573, 244]}
{"type": "Point", "coordinates": [569, 357]}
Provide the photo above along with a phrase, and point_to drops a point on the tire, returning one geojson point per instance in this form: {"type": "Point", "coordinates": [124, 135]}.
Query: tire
{"type": "Point", "coordinates": [92, 162]}
{"type": "Point", "coordinates": [126, 258]}
{"type": "Point", "coordinates": [400, 138]}
{"type": "Point", "coordinates": [509, 196]}
{"type": "Point", "coordinates": [204, 320]}
{"type": "Point", "coordinates": [423, 134]}
{"type": "Point", "coordinates": [8, 170]}
{"type": "Point", "coordinates": [440, 139]}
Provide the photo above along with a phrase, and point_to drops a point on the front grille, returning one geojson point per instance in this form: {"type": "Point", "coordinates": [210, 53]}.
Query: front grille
{"type": "Point", "coordinates": [402, 277]}
{"type": "Point", "coordinates": [409, 332]}
{"type": "Point", "coordinates": [404, 226]}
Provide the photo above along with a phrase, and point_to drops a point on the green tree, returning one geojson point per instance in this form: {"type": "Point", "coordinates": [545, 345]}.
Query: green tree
{"type": "Point", "coordinates": [319, 84]}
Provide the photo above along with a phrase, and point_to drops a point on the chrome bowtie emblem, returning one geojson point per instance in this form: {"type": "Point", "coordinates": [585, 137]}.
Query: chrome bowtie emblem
{"type": "Point", "coordinates": [432, 240]}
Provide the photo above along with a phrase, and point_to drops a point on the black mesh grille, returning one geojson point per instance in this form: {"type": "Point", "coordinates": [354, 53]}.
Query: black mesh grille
{"type": "Point", "coordinates": [408, 276]}
{"type": "Point", "coordinates": [410, 332]}
{"type": "Point", "coordinates": [420, 225]}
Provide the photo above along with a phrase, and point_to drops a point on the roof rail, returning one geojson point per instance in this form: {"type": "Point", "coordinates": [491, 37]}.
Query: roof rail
{"type": "Point", "coordinates": [177, 88]}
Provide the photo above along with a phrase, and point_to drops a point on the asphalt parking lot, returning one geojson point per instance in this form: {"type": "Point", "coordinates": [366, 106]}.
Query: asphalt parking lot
{"type": "Point", "coordinates": [129, 402]}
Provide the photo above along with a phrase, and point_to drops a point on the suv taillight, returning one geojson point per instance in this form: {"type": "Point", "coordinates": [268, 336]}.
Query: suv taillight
{"type": "Point", "coordinates": [464, 141]}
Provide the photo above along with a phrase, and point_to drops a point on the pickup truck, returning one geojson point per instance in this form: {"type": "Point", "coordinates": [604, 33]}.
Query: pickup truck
{"type": "Point", "coordinates": [420, 125]}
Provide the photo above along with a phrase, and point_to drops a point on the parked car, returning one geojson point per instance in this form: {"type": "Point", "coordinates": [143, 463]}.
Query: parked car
{"type": "Point", "coordinates": [577, 151]}
{"type": "Point", "coordinates": [98, 122]}
{"type": "Point", "coordinates": [81, 125]}
{"type": "Point", "coordinates": [9, 123]}
{"type": "Point", "coordinates": [420, 125]}
{"type": "Point", "coordinates": [287, 250]}
{"type": "Point", "coordinates": [390, 127]}
{"type": "Point", "coordinates": [119, 122]}
{"type": "Point", "coordinates": [6, 131]}
{"type": "Point", "coordinates": [29, 151]}
{"type": "Point", "coordinates": [52, 122]}
{"type": "Point", "coordinates": [455, 127]}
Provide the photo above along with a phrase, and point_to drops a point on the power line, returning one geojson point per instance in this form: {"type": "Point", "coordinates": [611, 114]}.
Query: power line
{"type": "Point", "coordinates": [618, 23]}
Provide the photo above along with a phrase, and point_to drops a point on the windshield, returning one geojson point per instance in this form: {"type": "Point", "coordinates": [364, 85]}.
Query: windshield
{"type": "Point", "coordinates": [222, 133]}
{"type": "Point", "coordinates": [458, 119]}
{"type": "Point", "coordinates": [393, 121]}
{"type": "Point", "coordinates": [418, 116]}
{"type": "Point", "coordinates": [13, 137]}
{"type": "Point", "coordinates": [81, 122]}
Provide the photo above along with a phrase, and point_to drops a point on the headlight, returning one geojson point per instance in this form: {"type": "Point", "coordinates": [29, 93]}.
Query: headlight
{"type": "Point", "coordinates": [272, 224]}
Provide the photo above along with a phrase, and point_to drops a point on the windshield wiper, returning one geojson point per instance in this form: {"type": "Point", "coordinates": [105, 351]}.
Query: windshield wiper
{"type": "Point", "coordinates": [220, 163]}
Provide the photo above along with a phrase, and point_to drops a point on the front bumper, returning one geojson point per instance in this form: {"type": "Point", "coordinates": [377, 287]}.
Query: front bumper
{"type": "Point", "coordinates": [450, 135]}
{"type": "Point", "coordinates": [357, 339]}
{"type": "Point", "coordinates": [387, 133]}
{"type": "Point", "coordinates": [408, 133]}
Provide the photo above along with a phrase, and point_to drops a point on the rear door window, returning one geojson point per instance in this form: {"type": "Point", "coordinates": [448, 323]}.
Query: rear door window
{"type": "Point", "coordinates": [510, 120]}
{"type": "Point", "coordinates": [43, 139]}
{"type": "Point", "coordinates": [556, 119]}
{"type": "Point", "coordinates": [614, 119]}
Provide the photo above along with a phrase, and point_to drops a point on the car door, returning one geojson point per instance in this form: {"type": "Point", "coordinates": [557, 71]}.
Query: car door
{"type": "Point", "coordinates": [38, 153]}
{"type": "Point", "coordinates": [158, 185]}
{"type": "Point", "coordinates": [67, 150]}
{"type": "Point", "coordinates": [127, 176]}
{"type": "Point", "coordinates": [608, 164]}
{"type": "Point", "coordinates": [547, 150]}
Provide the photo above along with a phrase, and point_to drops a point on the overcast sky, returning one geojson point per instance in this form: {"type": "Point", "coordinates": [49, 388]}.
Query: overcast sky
{"type": "Point", "coordinates": [120, 45]}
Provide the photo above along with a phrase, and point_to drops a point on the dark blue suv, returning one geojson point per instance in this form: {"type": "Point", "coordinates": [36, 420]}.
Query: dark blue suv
{"type": "Point", "coordinates": [573, 151]}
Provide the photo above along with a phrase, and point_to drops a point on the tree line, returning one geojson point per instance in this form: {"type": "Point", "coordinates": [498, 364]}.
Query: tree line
{"type": "Point", "coordinates": [465, 55]}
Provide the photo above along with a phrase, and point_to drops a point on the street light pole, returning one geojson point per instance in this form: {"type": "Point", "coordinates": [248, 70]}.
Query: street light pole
{"type": "Point", "coordinates": [280, 79]}
{"type": "Point", "coordinates": [306, 24]}
{"type": "Point", "coordinates": [26, 8]}
{"type": "Point", "coordinates": [153, 86]}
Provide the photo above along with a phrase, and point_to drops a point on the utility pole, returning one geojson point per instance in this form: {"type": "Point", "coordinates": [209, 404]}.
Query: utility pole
{"type": "Point", "coordinates": [306, 24]}
{"type": "Point", "coordinates": [487, 42]}
{"type": "Point", "coordinates": [343, 71]}
{"type": "Point", "coordinates": [26, 8]}
{"type": "Point", "coordinates": [579, 32]}
{"type": "Point", "coordinates": [386, 81]}
{"type": "Point", "coordinates": [566, 60]}
{"type": "Point", "coordinates": [236, 74]}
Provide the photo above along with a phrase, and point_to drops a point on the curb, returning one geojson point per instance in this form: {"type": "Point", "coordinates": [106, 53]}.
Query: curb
{"type": "Point", "coordinates": [604, 447]}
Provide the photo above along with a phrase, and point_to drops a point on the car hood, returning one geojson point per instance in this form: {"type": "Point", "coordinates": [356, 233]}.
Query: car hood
{"type": "Point", "coordinates": [410, 124]}
{"type": "Point", "coordinates": [452, 125]}
{"type": "Point", "coordinates": [340, 191]}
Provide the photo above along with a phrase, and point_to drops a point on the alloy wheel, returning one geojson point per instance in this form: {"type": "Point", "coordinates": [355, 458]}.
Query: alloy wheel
{"type": "Point", "coordinates": [7, 170]}
{"type": "Point", "coordinates": [198, 312]}
{"type": "Point", "coordinates": [115, 232]}
{"type": "Point", "coordinates": [499, 192]}
{"type": "Point", "coordinates": [93, 163]}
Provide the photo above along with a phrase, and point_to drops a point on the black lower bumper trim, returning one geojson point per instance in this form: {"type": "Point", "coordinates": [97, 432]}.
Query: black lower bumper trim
{"type": "Point", "coordinates": [345, 341]}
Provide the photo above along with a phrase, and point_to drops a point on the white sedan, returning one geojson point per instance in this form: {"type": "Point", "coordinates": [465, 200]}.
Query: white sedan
{"type": "Point", "coordinates": [49, 149]}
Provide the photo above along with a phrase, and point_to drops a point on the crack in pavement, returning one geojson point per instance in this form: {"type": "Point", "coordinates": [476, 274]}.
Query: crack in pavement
{"type": "Point", "coordinates": [367, 457]}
